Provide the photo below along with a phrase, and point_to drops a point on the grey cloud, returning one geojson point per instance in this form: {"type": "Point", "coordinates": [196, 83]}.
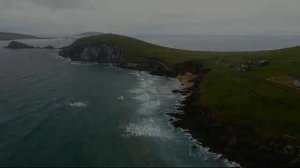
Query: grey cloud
{"type": "Point", "coordinates": [62, 4]}
{"type": "Point", "coordinates": [151, 16]}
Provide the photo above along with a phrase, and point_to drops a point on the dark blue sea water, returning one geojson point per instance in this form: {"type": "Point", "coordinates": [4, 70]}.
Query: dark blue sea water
{"type": "Point", "coordinates": [55, 112]}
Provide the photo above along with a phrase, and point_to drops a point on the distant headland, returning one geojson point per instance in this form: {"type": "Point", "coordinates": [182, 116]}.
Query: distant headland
{"type": "Point", "coordinates": [16, 36]}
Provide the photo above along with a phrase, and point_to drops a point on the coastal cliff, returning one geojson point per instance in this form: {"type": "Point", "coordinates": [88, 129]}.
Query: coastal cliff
{"type": "Point", "coordinates": [118, 56]}
{"type": "Point", "coordinates": [223, 106]}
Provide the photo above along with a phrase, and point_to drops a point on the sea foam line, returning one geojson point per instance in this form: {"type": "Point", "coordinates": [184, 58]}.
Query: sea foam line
{"type": "Point", "coordinates": [68, 60]}
{"type": "Point", "coordinates": [79, 104]}
{"type": "Point", "coordinates": [150, 100]}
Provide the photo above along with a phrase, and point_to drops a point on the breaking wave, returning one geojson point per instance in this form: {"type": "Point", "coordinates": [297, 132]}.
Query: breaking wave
{"type": "Point", "coordinates": [148, 127]}
{"type": "Point", "coordinates": [80, 104]}
{"type": "Point", "coordinates": [149, 96]}
{"type": "Point", "coordinates": [68, 60]}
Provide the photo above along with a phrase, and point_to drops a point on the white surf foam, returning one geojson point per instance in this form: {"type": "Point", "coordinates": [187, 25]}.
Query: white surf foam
{"type": "Point", "coordinates": [68, 60]}
{"type": "Point", "coordinates": [197, 150]}
{"type": "Point", "coordinates": [149, 107]}
{"type": "Point", "coordinates": [149, 99]}
{"type": "Point", "coordinates": [80, 104]}
{"type": "Point", "coordinates": [148, 127]}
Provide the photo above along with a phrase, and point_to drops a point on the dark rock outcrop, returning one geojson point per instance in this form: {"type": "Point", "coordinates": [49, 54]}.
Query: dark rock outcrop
{"type": "Point", "coordinates": [18, 45]}
{"type": "Point", "coordinates": [101, 54]}
{"type": "Point", "coordinates": [49, 47]}
{"type": "Point", "coordinates": [116, 55]}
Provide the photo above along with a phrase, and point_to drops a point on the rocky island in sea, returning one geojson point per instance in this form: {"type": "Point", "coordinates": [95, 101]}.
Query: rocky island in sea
{"type": "Point", "coordinates": [19, 45]}
{"type": "Point", "coordinates": [224, 104]}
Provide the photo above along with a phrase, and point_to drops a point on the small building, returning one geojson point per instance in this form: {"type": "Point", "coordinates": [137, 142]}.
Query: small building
{"type": "Point", "coordinates": [296, 83]}
{"type": "Point", "coordinates": [244, 68]}
{"type": "Point", "coordinates": [263, 62]}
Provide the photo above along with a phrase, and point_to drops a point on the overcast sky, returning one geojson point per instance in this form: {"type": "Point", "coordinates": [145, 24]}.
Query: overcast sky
{"type": "Point", "coordinates": [250, 17]}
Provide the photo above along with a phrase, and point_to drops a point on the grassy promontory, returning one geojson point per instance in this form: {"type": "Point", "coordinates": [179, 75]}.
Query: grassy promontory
{"type": "Point", "coordinates": [259, 108]}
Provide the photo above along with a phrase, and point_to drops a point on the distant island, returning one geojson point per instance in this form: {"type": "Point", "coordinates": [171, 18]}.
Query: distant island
{"type": "Point", "coordinates": [15, 36]}
{"type": "Point", "coordinates": [19, 45]}
{"type": "Point", "coordinates": [244, 105]}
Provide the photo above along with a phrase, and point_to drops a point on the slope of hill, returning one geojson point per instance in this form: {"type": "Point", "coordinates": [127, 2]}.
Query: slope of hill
{"type": "Point", "coordinates": [15, 36]}
{"type": "Point", "coordinates": [247, 111]}
{"type": "Point", "coordinates": [89, 34]}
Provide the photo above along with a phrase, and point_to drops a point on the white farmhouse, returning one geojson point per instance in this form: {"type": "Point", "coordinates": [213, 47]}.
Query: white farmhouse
{"type": "Point", "coordinates": [296, 83]}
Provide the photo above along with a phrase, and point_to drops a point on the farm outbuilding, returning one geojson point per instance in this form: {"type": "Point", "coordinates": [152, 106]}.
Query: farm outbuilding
{"type": "Point", "coordinates": [296, 83]}
{"type": "Point", "coordinates": [263, 62]}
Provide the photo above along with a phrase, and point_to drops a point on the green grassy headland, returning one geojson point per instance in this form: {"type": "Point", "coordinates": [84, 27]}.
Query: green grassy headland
{"type": "Point", "coordinates": [262, 98]}
{"type": "Point", "coordinates": [15, 36]}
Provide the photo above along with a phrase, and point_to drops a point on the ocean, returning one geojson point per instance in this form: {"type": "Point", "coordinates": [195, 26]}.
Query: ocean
{"type": "Point", "coordinates": [55, 112]}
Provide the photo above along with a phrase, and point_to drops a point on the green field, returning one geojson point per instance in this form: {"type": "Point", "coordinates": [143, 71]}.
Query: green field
{"type": "Point", "coordinates": [15, 36]}
{"type": "Point", "coordinates": [250, 98]}
{"type": "Point", "coordinates": [262, 98]}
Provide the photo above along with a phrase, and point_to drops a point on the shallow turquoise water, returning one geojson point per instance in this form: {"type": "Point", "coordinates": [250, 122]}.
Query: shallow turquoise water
{"type": "Point", "coordinates": [54, 112]}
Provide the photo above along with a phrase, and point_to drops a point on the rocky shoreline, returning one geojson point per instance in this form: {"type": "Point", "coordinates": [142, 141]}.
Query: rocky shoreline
{"type": "Point", "coordinates": [237, 142]}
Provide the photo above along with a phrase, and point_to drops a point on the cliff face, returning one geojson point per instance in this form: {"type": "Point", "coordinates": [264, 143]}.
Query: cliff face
{"type": "Point", "coordinates": [116, 55]}
{"type": "Point", "coordinates": [126, 52]}
{"type": "Point", "coordinates": [101, 54]}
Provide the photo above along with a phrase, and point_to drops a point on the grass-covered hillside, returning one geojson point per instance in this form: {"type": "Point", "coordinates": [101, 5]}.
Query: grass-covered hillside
{"type": "Point", "coordinates": [262, 98]}
{"type": "Point", "coordinates": [85, 34]}
{"type": "Point", "coordinates": [15, 36]}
